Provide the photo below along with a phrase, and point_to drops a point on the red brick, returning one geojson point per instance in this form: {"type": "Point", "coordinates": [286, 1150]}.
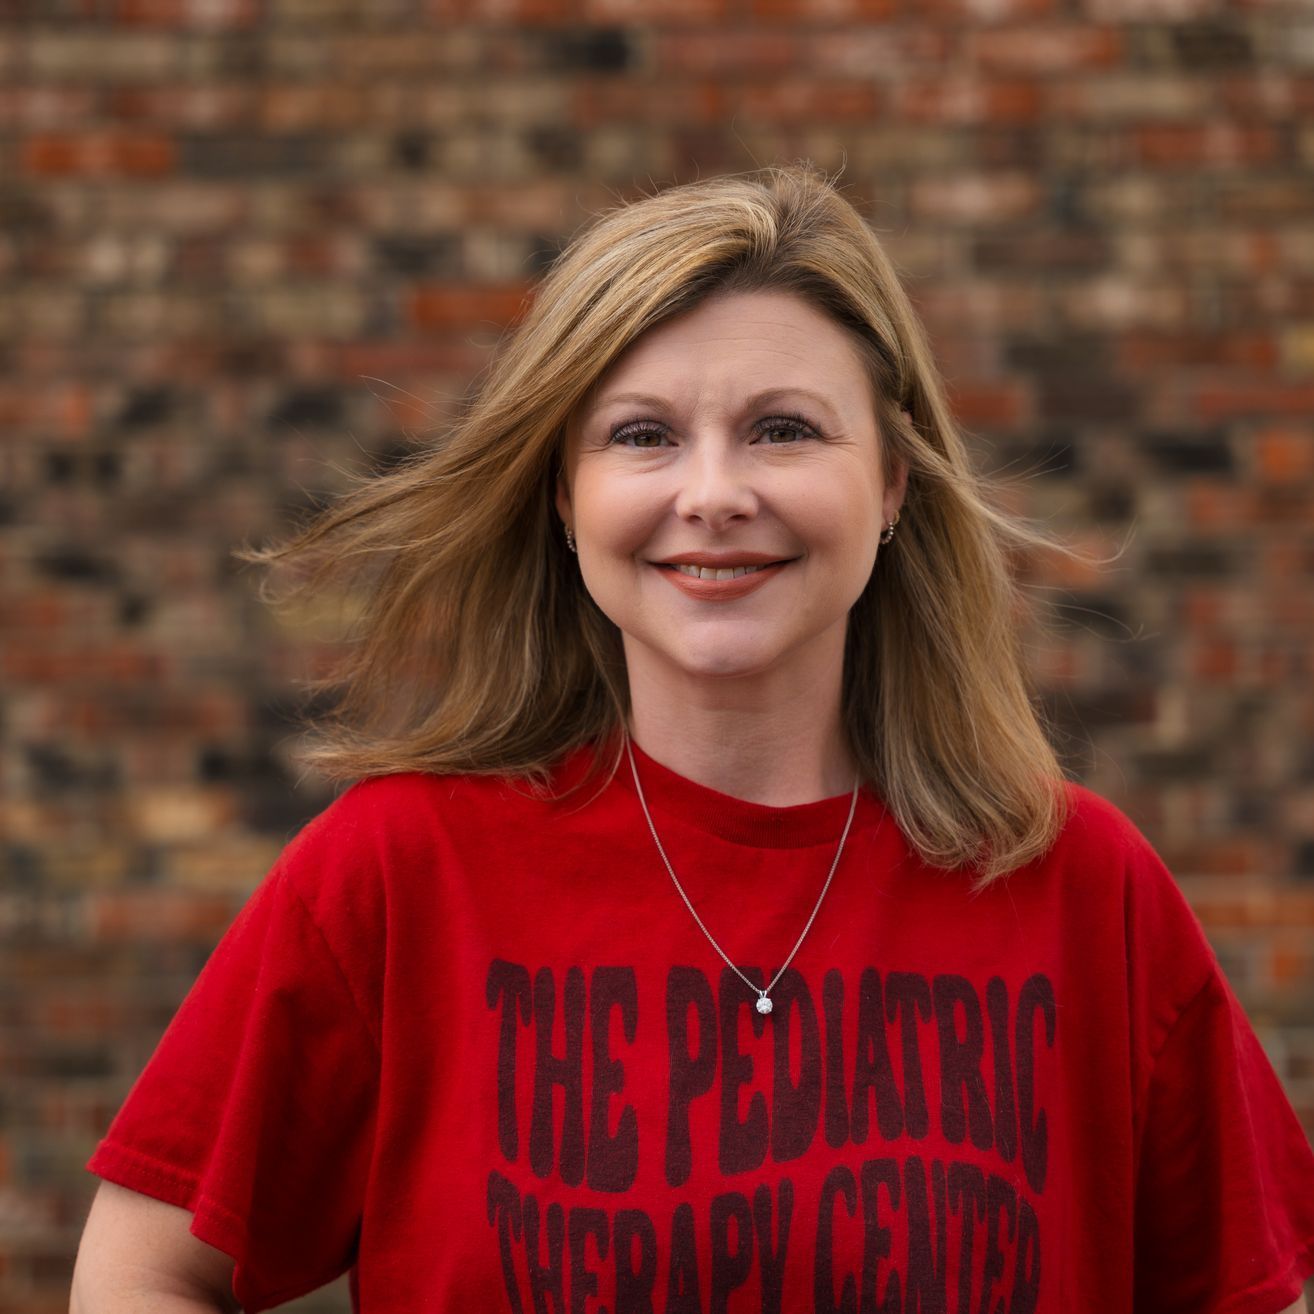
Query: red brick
{"type": "Point", "coordinates": [1289, 963]}
{"type": "Point", "coordinates": [502, 11]}
{"type": "Point", "coordinates": [1191, 146]}
{"type": "Point", "coordinates": [794, 100]}
{"type": "Point", "coordinates": [109, 663]}
{"type": "Point", "coordinates": [1139, 350]}
{"type": "Point", "coordinates": [985, 11]}
{"type": "Point", "coordinates": [1050, 49]}
{"type": "Point", "coordinates": [652, 11]}
{"type": "Point", "coordinates": [822, 11]}
{"type": "Point", "coordinates": [465, 307]}
{"type": "Point", "coordinates": [1232, 856]}
{"type": "Point", "coordinates": [986, 404]}
{"type": "Point", "coordinates": [691, 52]}
{"type": "Point", "coordinates": [157, 915]}
{"type": "Point", "coordinates": [869, 51]}
{"type": "Point", "coordinates": [48, 108]}
{"type": "Point", "coordinates": [597, 104]}
{"type": "Point", "coordinates": [189, 13]}
{"type": "Point", "coordinates": [977, 198]}
{"type": "Point", "coordinates": [1284, 455]}
{"type": "Point", "coordinates": [1212, 505]}
{"type": "Point", "coordinates": [938, 99]}
{"type": "Point", "coordinates": [1211, 402]}
{"type": "Point", "coordinates": [208, 106]}
{"type": "Point", "coordinates": [99, 155]}
{"type": "Point", "coordinates": [403, 357]}
{"type": "Point", "coordinates": [1215, 660]}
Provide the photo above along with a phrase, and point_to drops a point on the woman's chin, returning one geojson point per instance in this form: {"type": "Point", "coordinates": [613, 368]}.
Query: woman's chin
{"type": "Point", "coordinates": [708, 661]}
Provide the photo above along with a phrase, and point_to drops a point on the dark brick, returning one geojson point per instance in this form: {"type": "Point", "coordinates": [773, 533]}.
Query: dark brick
{"type": "Point", "coordinates": [555, 146]}
{"type": "Point", "coordinates": [1140, 661]}
{"type": "Point", "coordinates": [256, 157]}
{"type": "Point", "coordinates": [412, 150]}
{"type": "Point", "coordinates": [1193, 762]}
{"type": "Point", "coordinates": [308, 406]}
{"type": "Point", "coordinates": [1011, 146]}
{"type": "Point", "coordinates": [598, 50]}
{"type": "Point", "coordinates": [1079, 711]}
{"type": "Point", "coordinates": [106, 468]}
{"type": "Point", "coordinates": [23, 866]}
{"type": "Point", "coordinates": [1030, 252]}
{"type": "Point", "coordinates": [415, 255]}
{"type": "Point", "coordinates": [1087, 396]}
{"type": "Point", "coordinates": [1302, 859]}
{"type": "Point", "coordinates": [146, 406]}
{"type": "Point", "coordinates": [1191, 560]}
{"type": "Point", "coordinates": [8, 512]}
{"type": "Point", "coordinates": [1066, 200]}
{"type": "Point", "coordinates": [1110, 501]}
{"type": "Point", "coordinates": [238, 54]}
{"type": "Point", "coordinates": [1101, 616]}
{"type": "Point", "coordinates": [1070, 353]}
{"type": "Point", "coordinates": [133, 609]}
{"type": "Point", "coordinates": [250, 359]}
{"type": "Point", "coordinates": [1251, 810]}
{"type": "Point", "coordinates": [1189, 453]}
{"type": "Point", "coordinates": [23, 212]}
{"type": "Point", "coordinates": [60, 467]}
{"type": "Point", "coordinates": [54, 770]}
{"type": "Point", "coordinates": [1212, 45]}
{"type": "Point", "coordinates": [66, 1063]}
{"type": "Point", "coordinates": [76, 564]}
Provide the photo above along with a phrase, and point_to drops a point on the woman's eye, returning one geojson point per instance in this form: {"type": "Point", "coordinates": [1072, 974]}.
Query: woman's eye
{"type": "Point", "coordinates": [636, 435]}
{"type": "Point", "coordinates": [793, 425]}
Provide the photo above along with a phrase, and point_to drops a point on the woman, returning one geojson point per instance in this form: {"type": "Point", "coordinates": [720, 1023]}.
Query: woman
{"type": "Point", "coordinates": [831, 992]}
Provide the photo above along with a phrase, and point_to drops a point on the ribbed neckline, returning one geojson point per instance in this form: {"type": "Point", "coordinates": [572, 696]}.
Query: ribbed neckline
{"type": "Point", "coordinates": [674, 796]}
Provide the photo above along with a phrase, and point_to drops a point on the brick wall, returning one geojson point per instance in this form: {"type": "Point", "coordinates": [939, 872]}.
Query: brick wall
{"type": "Point", "coordinates": [244, 240]}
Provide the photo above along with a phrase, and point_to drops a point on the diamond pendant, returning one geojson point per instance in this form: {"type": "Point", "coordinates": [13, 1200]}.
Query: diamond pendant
{"type": "Point", "coordinates": [763, 1004]}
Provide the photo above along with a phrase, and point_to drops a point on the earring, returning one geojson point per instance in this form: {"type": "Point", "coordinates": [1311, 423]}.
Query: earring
{"type": "Point", "coordinates": [889, 530]}
{"type": "Point", "coordinates": [570, 541]}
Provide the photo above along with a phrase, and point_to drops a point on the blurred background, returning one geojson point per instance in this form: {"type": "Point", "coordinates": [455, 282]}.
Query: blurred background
{"type": "Point", "coordinates": [247, 246]}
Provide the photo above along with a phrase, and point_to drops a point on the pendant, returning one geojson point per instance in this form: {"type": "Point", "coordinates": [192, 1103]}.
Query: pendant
{"type": "Point", "coordinates": [763, 1004]}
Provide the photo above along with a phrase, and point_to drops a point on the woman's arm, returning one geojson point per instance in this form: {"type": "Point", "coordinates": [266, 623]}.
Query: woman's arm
{"type": "Point", "coordinates": [138, 1253]}
{"type": "Point", "coordinates": [1298, 1308]}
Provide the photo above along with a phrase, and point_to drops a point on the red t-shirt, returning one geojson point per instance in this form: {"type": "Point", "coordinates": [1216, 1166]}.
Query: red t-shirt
{"type": "Point", "coordinates": [472, 1046]}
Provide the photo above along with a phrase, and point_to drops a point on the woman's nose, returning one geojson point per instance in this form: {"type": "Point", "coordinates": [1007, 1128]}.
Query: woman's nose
{"type": "Point", "coordinates": [716, 485]}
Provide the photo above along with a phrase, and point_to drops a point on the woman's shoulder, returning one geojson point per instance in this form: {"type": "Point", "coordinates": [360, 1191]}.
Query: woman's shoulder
{"type": "Point", "coordinates": [1099, 828]}
{"type": "Point", "coordinates": [395, 811]}
{"type": "Point", "coordinates": [1120, 864]}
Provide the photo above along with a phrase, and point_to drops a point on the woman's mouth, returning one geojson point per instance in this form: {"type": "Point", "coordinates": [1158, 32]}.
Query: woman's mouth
{"type": "Point", "coordinates": [719, 583]}
{"type": "Point", "coordinates": [719, 572]}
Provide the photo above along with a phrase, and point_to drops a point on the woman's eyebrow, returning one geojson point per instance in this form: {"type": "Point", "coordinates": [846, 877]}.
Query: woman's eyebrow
{"type": "Point", "coordinates": [757, 399]}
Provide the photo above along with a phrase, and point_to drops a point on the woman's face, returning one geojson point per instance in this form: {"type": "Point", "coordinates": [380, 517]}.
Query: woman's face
{"type": "Point", "coordinates": [690, 448]}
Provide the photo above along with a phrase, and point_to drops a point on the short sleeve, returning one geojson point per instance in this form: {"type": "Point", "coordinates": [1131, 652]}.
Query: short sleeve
{"type": "Point", "coordinates": [257, 1109]}
{"type": "Point", "coordinates": [1225, 1176]}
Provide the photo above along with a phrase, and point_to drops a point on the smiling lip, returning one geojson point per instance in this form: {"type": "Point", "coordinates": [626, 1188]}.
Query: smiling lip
{"type": "Point", "coordinates": [721, 590]}
{"type": "Point", "coordinates": [720, 560]}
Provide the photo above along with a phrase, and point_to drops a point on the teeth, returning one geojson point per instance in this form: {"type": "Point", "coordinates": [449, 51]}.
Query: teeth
{"type": "Point", "coordinates": [709, 572]}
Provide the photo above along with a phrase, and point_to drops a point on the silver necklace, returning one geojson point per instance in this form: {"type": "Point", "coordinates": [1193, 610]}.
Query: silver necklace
{"type": "Point", "coordinates": [763, 1002]}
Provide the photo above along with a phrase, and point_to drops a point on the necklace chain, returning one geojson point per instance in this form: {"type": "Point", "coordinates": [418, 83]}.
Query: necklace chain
{"type": "Point", "coordinates": [763, 1002]}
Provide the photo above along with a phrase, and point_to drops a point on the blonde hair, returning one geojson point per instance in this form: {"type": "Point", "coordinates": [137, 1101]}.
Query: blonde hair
{"type": "Point", "coordinates": [477, 647]}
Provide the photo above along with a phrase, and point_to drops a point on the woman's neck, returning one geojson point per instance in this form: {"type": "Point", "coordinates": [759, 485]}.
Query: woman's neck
{"type": "Point", "coordinates": [780, 751]}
